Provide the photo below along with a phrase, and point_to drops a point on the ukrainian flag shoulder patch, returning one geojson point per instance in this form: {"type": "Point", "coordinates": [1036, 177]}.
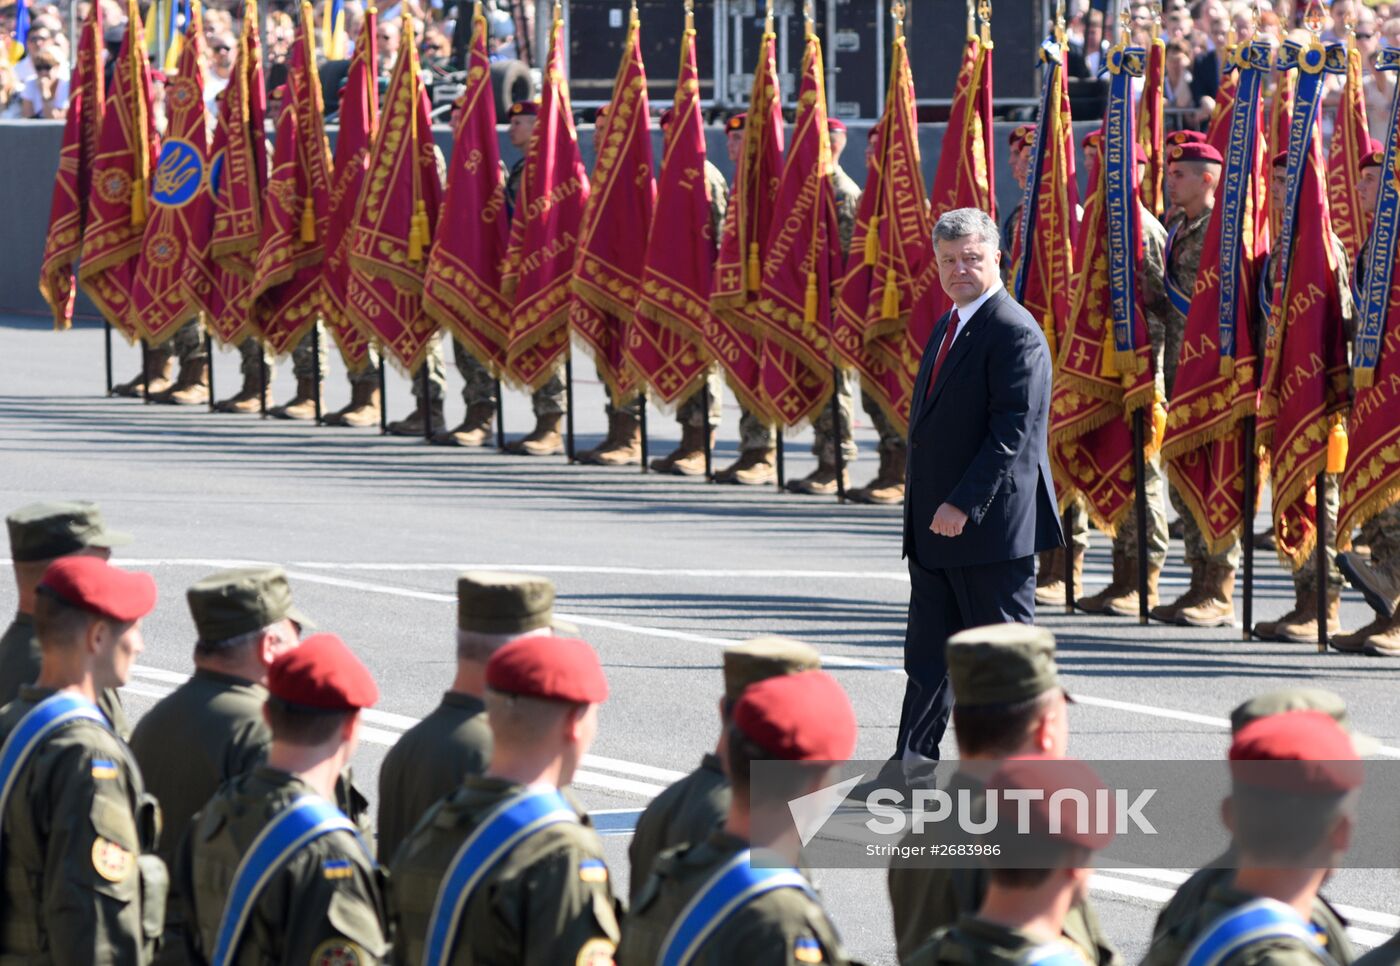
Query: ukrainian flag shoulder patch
{"type": "Point", "coordinates": [103, 770]}
{"type": "Point", "coordinates": [805, 949]}
{"type": "Point", "coordinates": [337, 869]}
{"type": "Point", "coordinates": [592, 870]}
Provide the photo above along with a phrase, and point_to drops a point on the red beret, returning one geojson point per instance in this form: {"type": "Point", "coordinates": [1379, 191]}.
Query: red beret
{"type": "Point", "coordinates": [529, 108]}
{"type": "Point", "coordinates": [1374, 156]}
{"type": "Point", "coordinates": [1185, 137]}
{"type": "Point", "coordinates": [322, 673]}
{"type": "Point", "coordinates": [1092, 140]}
{"type": "Point", "coordinates": [1021, 134]}
{"type": "Point", "coordinates": [94, 585]}
{"type": "Point", "coordinates": [553, 668]}
{"type": "Point", "coordinates": [667, 116]}
{"type": "Point", "coordinates": [798, 717]}
{"type": "Point", "coordinates": [735, 123]}
{"type": "Point", "coordinates": [1304, 752]}
{"type": "Point", "coordinates": [1077, 825]}
{"type": "Point", "coordinates": [158, 77]}
{"type": "Point", "coordinates": [836, 125]}
{"type": "Point", "coordinates": [1139, 153]}
{"type": "Point", "coordinates": [1194, 151]}
{"type": "Point", "coordinates": [1280, 160]}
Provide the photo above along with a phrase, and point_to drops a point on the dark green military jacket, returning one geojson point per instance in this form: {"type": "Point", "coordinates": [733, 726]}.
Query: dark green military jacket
{"type": "Point", "coordinates": [779, 926]}
{"type": "Point", "coordinates": [1191, 895]}
{"type": "Point", "coordinates": [972, 941]}
{"type": "Point", "coordinates": [325, 905]}
{"type": "Point", "coordinates": [684, 814]}
{"type": "Point", "coordinates": [19, 665]}
{"type": "Point", "coordinates": [428, 763]}
{"type": "Point", "coordinates": [847, 194]}
{"type": "Point", "coordinates": [79, 883]}
{"type": "Point", "coordinates": [925, 900]}
{"type": "Point", "coordinates": [548, 902]}
{"type": "Point", "coordinates": [1169, 946]}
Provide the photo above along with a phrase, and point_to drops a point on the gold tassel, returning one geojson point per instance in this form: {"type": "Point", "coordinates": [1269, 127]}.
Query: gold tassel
{"type": "Point", "coordinates": [1337, 448]}
{"type": "Point", "coordinates": [1227, 367]}
{"type": "Point", "coordinates": [138, 203]}
{"type": "Point", "coordinates": [308, 222]}
{"type": "Point", "coordinates": [1363, 377]}
{"type": "Point", "coordinates": [415, 241]}
{"type": "Point", "coordinates": [872, 243]}
{"type": "Point", "coordinates": [889, 299]}
{"type": "Point", "coordinates": [1107, 365]}
{"type": "Point", "coordinates": [809, 306]}
{"type": "Point", "coordinates": [755, 270]}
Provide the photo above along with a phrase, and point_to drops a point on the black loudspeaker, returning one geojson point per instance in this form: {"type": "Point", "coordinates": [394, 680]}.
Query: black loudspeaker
{"type": "Point", "coordinates": [598, 28]}
{"type": "Point", "coordinates": [937, 32]}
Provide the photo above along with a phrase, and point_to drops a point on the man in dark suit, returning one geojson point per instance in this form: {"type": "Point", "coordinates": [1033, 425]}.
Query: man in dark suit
{"type": "Point", "coordinates": [979, 499]}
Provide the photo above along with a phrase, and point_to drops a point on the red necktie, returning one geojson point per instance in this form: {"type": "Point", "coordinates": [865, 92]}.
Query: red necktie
{"type": "Point", "coordinates": [942, 353]}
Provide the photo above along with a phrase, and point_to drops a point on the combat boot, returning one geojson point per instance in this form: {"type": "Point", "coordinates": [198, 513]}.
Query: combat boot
{"type": "Point", "coordinates": [754, 467]}
{"type": "Point", "coordinates": [1264, 540]}
{"type": "Point", "coordinates": [1052, 593]}
{"type": "Point", "coordinates": [1355, 641]}
{"type": "Point", "coordinates": [1216, 605]}
{"type": "Point", "coordinates": [1304, 629]}
{"type": "Point", "coordinates": [607, 442]}
{"type": "Point", "coordinates": [191, 387]}
{"type": "Point", "coordinates": [626, 446]}
{"type": "Point", "coordinates": [1117, 586]}
{"type": "Point", "coordinates": [303, 404]}
{"type": "Point", "coordinates": [1049, 574]}
{"type": "Point", "coordinates": [361, 411]}
{"type": "Point", "coordinates": [688, 458]}
{"type": "Point", "coordinates": [1385, 642]}
{"type": "Point", "coordinates": [246, 400]}
{"type": "Point", "coordinates": [819, 482]}
{"type": "Point", "coordinates": [1195, 593]}
{"type": "Point", "coordinates": [413, 425]}
{"type": "Point", "coordinates": [887, 489]}
{"type": "Point", "coordinates": [476, 428]}
{"type": "Point", "coordinates": [544, 439]}
{"type": "Point", "coordinates": [1378, 584]}
{"type": "Point", "coordinates": [1268, 630]}
{"type": "Point", "coordinates": [1126, 605]}
{"type": "Point", "coordinates": [157, 368]}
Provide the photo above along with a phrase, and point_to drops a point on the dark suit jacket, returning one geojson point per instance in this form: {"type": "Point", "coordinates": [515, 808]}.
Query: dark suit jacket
{"type": "Point", "coordinates": [980, 442]}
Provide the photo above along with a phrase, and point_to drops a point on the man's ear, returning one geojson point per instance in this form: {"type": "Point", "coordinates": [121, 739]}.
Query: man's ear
{"type": "Point", "coordinates": [98, 636]}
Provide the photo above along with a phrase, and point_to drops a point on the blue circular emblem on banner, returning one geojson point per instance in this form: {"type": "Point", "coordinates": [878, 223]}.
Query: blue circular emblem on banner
{"type": "Point", "coordinates": [178, 174]}
{"type": "Point", "coordinates": [216, 174]}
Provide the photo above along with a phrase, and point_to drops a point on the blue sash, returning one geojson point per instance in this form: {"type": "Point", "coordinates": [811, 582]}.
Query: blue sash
{"type": "Point", "coordinates": [43, 719]}
{"type": "Point", "coordinates": [1253, 63]}
{"type": "Point", "coordinates": [513, 821]}
{"type": "Point", "coordinates": [1244, 925]}
{"type": "Point", "coordinates": [1121, 197]}
{"type": "Point", "coordinates": [1030, 197]}
{"type": "Point", "coordinates": [1180, 298]}
{"type": "Point", "coordinates": [1374, 285]}
{"type": "Point", "coordinates": [300, 823]}
{"type": "Point", "coordinates": [736, 884]}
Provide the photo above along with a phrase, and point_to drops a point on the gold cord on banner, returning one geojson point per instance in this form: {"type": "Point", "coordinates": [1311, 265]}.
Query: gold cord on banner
{"type": "Point", "coordinates": [308, 209]}
{"type": "Point", "coordinates": [138, 97]}
{"type": "Point", "coordinates": [418, 221]}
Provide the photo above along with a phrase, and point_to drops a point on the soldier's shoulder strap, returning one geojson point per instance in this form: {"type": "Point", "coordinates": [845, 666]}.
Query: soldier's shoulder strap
{"type": "Point", "coordinates": [46, 717]}
{"type": "Point", "coordinates": [1257, 921]}
{"type": "Point", "coordinates": [510, 823]}
{"type": "Point", "coordinates": [306, 819]}
{"type": "Point", "coordinates": [734, 885]}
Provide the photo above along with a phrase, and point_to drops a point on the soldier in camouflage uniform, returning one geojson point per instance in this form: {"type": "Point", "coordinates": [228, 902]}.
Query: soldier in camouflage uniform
{"type": "Point", "coordinates": [698, 421]}
{"type": "Point", "coordinates": [690, 809]}
{"type": "Point", "coordinates": [1193, 172]}
{"type": "Point", "coordinates": [548, 897]}
{"type": "Point", "coordinates": [78, 880]}
{"type": "Point", "coordinates": [1044, 891]}
{"type": "Point", "coordinates": [190, 387]}
{"type": "Point", "coordinates": [1378, 579]}
{"type": "Point", "coordinates": [1120, 597]}
{"type": "Point", "coordinates": [1299, 624]}
{"type": "Point", "coordinates": [251, 352]}
{"type": "Point", "coordinates": [321, 901]}
{"type": "Point", "coordinates": [701, 890]}
{"type": "Point", "coordinates": [1009, 702]}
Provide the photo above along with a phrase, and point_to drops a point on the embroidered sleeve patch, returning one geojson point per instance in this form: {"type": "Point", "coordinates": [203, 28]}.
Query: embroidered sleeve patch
{"type": "Point", "coordinates": [103, 769]}
{"type": "Point", "coordinates": [592, 870]}
{"type": "Point", "coordinates": [807, 950]}
{"type": "Point", "coordinates": [338, 952]}
{"type": "Point", "coordinates": [111, 861]}
{"type": "Point", "coordinates": [337, 869]}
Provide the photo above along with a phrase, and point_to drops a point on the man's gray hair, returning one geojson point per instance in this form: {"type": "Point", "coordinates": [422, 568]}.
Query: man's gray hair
{"type": "Point", "coordinates": [228, 648]}
{"type": "Point", "coordinates": [476, 646]}
{"type": "Point", "coordinates": [962, 222]}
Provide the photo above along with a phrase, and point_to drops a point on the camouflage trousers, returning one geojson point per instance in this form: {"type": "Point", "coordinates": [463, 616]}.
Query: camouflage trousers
{"type": "Point", "coordinates": [823, 439]}
{"type": "Point", "coordinates": [1196, 551]}
{"type": "Point", "coordinates": [1382, 534]}
{"type": "Point", "coordinates": [632, 407]}
{"type": "Point", "coordinates": [480, 385]}
{"type": "Point", "coordinates": [1305, 578]}
{"type": "Point", "coordinates": [1075, 520]}
{"type": "Point", "coordinates": [754, 433]}
{"type": "Point", "coordinates": [692, 411]}
{"type": "Point", "coordinates": [1126, 539]}
{"type": "Point", "coordinates": [186, 345]}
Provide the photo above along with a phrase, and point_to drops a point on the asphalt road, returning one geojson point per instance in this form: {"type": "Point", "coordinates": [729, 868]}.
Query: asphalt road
{"type": "Point", "coordinates": [660, 574]}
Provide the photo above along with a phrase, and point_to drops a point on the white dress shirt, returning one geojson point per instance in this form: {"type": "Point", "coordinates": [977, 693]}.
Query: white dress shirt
{"type": "Point", "coordinates": [968, 311]}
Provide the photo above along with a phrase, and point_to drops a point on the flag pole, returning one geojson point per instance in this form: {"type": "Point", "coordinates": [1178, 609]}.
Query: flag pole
{"type": "Point", "coordinates": [145, 373]}
{"type": "Point", "coordinates": [500, 416]}
{"type": "Point", "coordinates": [839, 432]}
{"type": "Point", "coordinates": [1140, 506]}
{"type": "Point", "coordinates": [263, 376]}
{"type": "Point", "coordinates": [209, 369]}
{"type": "Point", "coordinates": [569, 404]}
{"type": "Point", "coordinates": [107, 327]}
{"type": "Point", "coordinates": [1320, 516]}
{"type": "Point", "coordinates": [705, 388]}
{"type": "Point", "coordinates": [316, 365]}
{"type": "Point", "coordinates": [642, 427]}
{"type": "Point", "coordinates": [781, 482]}
{"type": "Point", "coordinates": [383, 402]}
{"type": "Point", "coordinates": [1251, 489]}
{"type": "Point", "coordinates": [425, 406]}
{"type": "Point", "coordinates": [1067, 526]}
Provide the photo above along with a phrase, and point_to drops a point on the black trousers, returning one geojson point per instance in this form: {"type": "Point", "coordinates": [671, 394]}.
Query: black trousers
{"type": "Point", "coordinates": [942, 602]}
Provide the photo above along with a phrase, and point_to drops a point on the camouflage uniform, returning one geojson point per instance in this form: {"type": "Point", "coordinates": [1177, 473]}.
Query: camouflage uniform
{"type": "Point", "coordinates": [480, 385]}
{"type": "Point", "coordinates": [823, 444]}
{"type": "Point", "coordinates": [1188, 239]}
{"type": "Point", "coordinates": [692, 412]}
{"type": "Point", "coordinates": [1170, 945]}
{"type": "Point", "coordinates": [1157, 308]}
{"type": "Point", "coordinates": [974, 940]}
{"type": "Point", "coordinates": [186, 345]}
